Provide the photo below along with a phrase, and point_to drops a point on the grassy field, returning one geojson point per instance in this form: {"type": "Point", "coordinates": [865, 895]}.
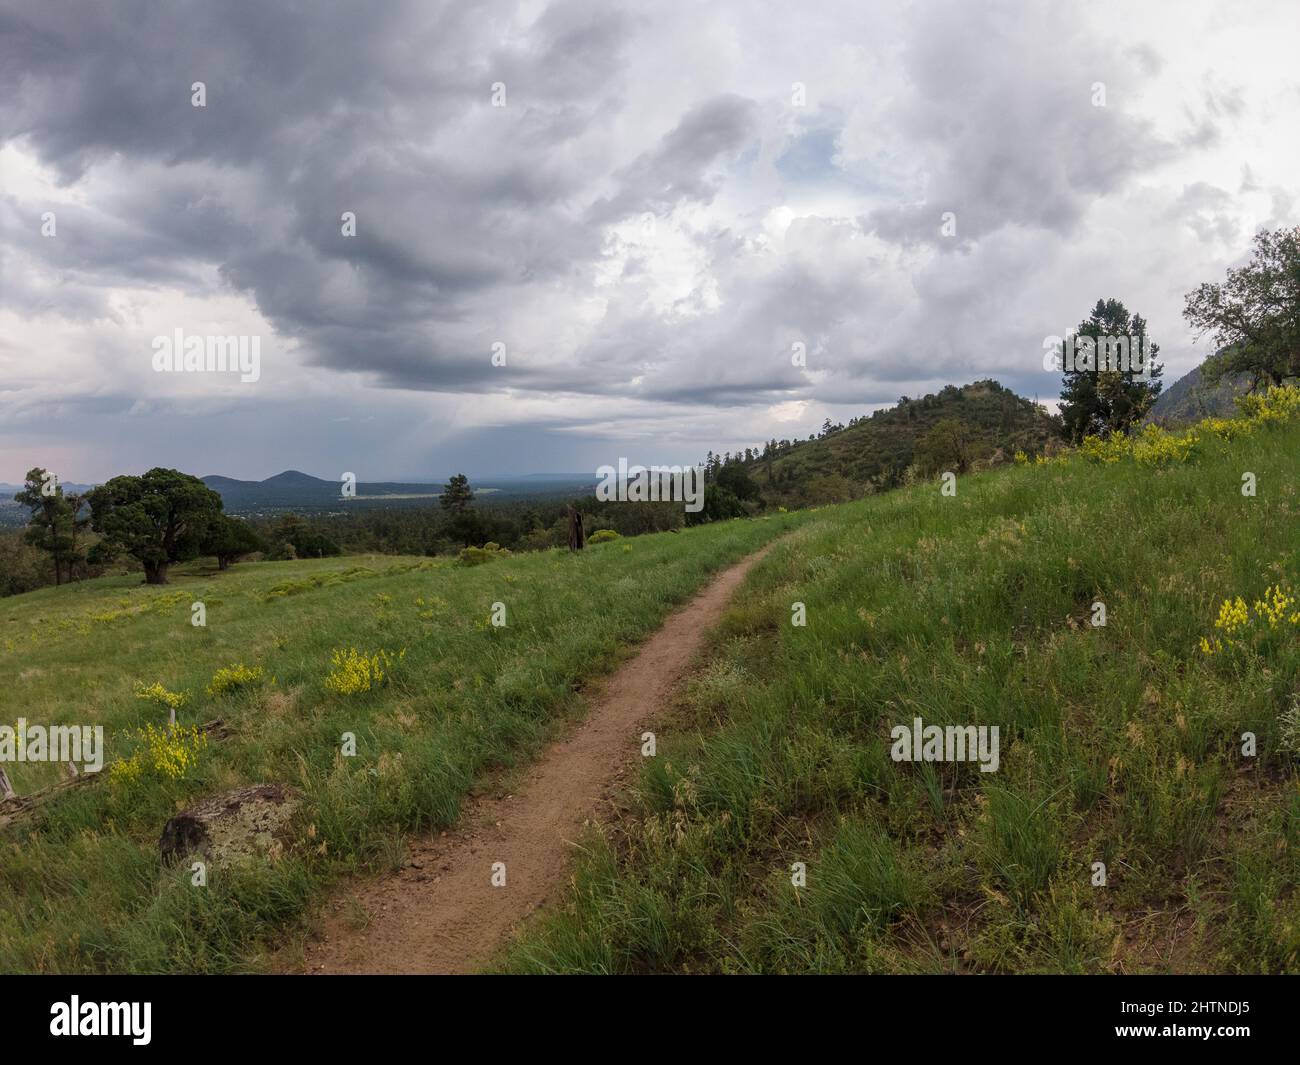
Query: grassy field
{"type": "Point", "coordinates": [1120, 744]}
{"type": "Point", "coordinates": [81, 885]}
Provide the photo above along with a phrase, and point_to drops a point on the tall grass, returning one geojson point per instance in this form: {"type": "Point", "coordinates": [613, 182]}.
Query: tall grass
{"type": "Point", "coordinates": [1121, 746]}
{"type": "Point", "coordinates": [82, 888]}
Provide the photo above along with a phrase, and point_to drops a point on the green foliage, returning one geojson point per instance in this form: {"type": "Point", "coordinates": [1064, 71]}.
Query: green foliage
{"type": "Point", "coordinates": [1254, 315]}
{"type": "Point", "coordinates": [1097, 400]}
{"type": "Point", "coordinates": [293, 537]}
{"type": "Point", "coordinates": [22, 566]}
{"type": "Point", "coordinates": [603, 536]}
{"type": "Point", "coordinates": [158, 518]}
{"type": "Point", "coordinates": [872, 453]}
{"type": "Point", "coordinates": [735, 478]}
{"type": "Point", "coordinates": [476, 556]}
{"type": "Point", "coordinates": [944, 447]}
{"type": "Point", "coordinates": [719, 505]}
{"type": "Point", "coordinates": [230, 539]}
{"type": "Point", "coordinates": [55, 524]}
{"type": "Point", "coordinates": [457, 495]}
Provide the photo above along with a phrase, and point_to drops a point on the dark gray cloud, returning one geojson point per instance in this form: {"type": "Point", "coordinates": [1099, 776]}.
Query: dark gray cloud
{"type": "Point", "coordinates": [678, 168]}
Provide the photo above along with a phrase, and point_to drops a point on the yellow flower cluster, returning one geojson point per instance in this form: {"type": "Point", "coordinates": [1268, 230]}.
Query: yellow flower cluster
{"type": "Point", "coordinates": [156, 693]}
{"type": "Point", "coordinates": [1276, 605]}
{"type": "Point", "coordinates": [170, 751]}
{"type": "Point", "coordinates": [1227, 428]}
{"type": "Point", "coordinates": [1235, 618]}
{"type": "Point", "coordinates": [1155, 446]}
{"type": "Point", "coordinates": [1278, 404]}
{"type": "Point", "coordinates": [355, 672]}
{"type": "Point", "coordinates": [1106, 449]}
{"type": "Point", "coordinates": [232, 678]}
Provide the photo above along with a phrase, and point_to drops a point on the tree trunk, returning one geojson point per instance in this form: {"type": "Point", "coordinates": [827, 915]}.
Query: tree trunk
{"type": "Point", "coordinates": [223, 563]}
{"type": "Point", "coordinates": [155, 572]}
{"type": "Point", "coordinates": [576, 538]}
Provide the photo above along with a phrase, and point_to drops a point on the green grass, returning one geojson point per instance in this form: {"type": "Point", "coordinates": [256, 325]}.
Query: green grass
{"type": "Point", "coordinates": [82, 888]}
{"type": "Point", "coordinates": [1119, 744]}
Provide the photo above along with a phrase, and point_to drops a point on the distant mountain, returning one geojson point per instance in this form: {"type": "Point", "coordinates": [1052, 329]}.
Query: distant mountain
{"type": "Point", "coordinates": [1189, 399]}
{"type": "Point", "coordinates": [7, 490]}
{"type": "Point", "coordinates": [877, 449]}
{"type": "Point", "coordinates": [298, 491]}
{"type": "Point", "coordinates": [295, 490]}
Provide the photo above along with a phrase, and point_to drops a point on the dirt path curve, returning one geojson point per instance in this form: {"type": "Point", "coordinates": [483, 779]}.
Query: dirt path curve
{"type": "Point", "coordinates": [440, 912]}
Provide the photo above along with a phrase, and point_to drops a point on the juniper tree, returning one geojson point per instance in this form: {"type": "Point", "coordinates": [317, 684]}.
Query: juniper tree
{"type": "Point", "coordinates": [157, 518]}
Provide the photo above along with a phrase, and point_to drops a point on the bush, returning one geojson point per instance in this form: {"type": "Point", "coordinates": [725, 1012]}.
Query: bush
{"type": "Point", "coordinates": [355, 672]}
{"type": "Point", "coordinates": [603, 536]}
{"type": "Point", "coordinates": [233, 678]}
{"type": "Point", "coordinates": [476, 556]}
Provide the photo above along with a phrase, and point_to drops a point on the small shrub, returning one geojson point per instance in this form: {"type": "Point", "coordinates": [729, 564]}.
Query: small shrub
{"type": "Point", "coordinates": [169, 751]}
{"type": "Point", "coordinates": [234, 678]}
{"type": "Point", "coordinates": [354, 672]}
{"type": "Point", "coordinates": [161, 697]}
{"type": "Point", "coordinates": [476, 556]}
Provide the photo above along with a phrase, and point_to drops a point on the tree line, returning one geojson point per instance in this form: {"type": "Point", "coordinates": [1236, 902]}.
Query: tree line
{"type": "Point", "coordinates": [165, 516]}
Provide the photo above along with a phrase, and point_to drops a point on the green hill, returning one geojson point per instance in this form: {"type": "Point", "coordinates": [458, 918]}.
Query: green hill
{"type": "Point", "coordinates": [876, 451]}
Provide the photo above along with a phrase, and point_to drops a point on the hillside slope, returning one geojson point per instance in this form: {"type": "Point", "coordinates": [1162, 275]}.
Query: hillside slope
{"type": "Point", "coordinates": [1143, 814]}
{"type": "Point", "coordinates": [1189, 399]}
{"type": "Point", "coordinates": [876, 451]}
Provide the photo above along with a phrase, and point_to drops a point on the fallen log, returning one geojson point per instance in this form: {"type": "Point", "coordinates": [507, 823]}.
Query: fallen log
{"type": "Point", "coordinates": [16, 807]}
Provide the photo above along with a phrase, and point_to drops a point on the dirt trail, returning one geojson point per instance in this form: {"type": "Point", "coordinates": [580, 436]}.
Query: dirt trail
{"type": "Point", "coordinates": [440, 912]}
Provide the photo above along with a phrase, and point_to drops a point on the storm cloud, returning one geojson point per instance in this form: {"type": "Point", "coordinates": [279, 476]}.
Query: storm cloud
{"type": "Point", "coordinates": [642, 207]}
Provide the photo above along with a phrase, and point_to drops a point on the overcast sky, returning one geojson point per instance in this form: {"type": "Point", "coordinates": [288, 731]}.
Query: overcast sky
{"type": "Point", "coordinates": [672, 195]}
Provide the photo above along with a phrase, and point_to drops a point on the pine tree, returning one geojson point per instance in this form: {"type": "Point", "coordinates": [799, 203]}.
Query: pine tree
{"type": "Point", "coordinates": [1097, 400]}
{"type": "Point", "coordinates": [457, 496]}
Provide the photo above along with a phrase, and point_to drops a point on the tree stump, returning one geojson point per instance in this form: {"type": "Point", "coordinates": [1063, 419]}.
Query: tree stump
{"type": "Point", "coordinates": [576, 538]}
{"type": "Point", "coordinates": [247, 822]}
